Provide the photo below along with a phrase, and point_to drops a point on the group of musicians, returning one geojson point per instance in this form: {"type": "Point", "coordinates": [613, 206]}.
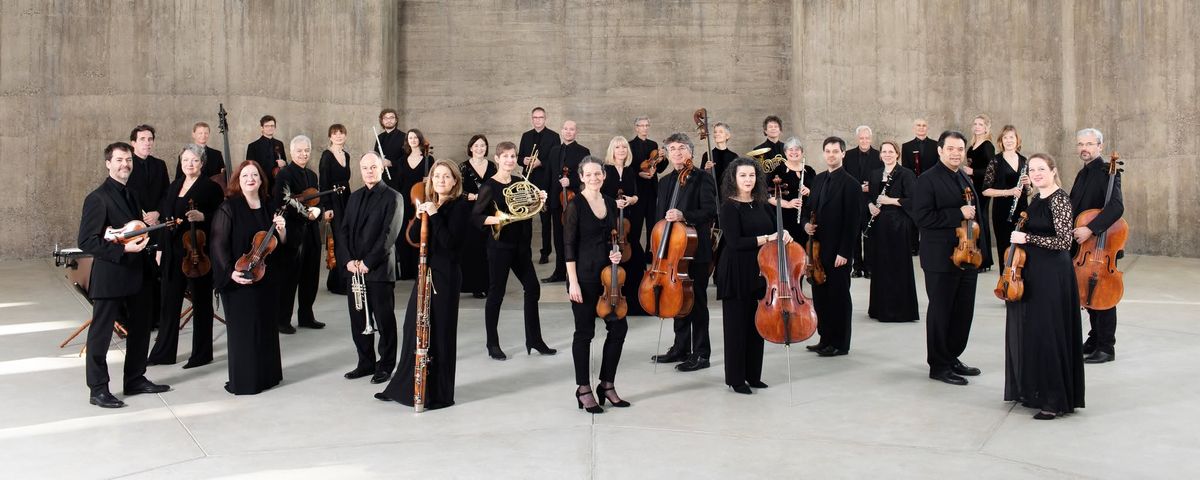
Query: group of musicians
{"type": "Point", "coordinates": [869, 211]}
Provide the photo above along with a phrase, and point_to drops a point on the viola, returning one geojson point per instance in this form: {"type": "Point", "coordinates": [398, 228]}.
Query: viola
{"type": "Point", "coordinates": [1101, 285]}
{"type": "Point", "coordinates": [330, 251]}
{"type": "Point", "coordinates": [666, 288]}
{"type": "Point", "coordinates": [623, 232]}
{"type": "Point", "coordinates": [566, 195]}
{"type": "Point", "coordinates": [815, 273]}
{"type": "Point", "coordinates": [650, 165]}
{"type": "Point", "coordinates": [135, 230]}
{"type": "Point", "coordinates": [967, 251]}
{"type": "Point", "coordinates": [253, 264]}
{"type": "Point", "coordinates": [784, 314]}
{"type": "Point", "coordinates": [612, 305]}
{"type": "Point", "coordinates": [310, 197]}
{"type": "Point", "coordinates": [1011, 286]}
{"type": "Point", "coordinates": [195, 262]}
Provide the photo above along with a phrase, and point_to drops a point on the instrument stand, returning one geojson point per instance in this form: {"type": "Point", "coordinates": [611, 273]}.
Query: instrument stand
{"type": "Point", "coordinates": [658, 347]}
{"type": "Point", "coordinates": [187, 314]}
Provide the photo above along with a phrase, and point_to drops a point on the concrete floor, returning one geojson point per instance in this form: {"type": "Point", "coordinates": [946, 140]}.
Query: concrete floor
{"type": "Point", "coordinates": [872, 413]}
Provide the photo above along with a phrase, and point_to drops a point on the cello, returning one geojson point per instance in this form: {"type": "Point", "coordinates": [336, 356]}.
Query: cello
{"type": "Point", "coordinates": [666, 288]}
{"type": "Point", "coordinates": [784, 315]}
{"type": "Point", "coordinates": [967, 253]}
{"type": "Point", "coordinates": [1011, 286]}
{"type": "Point", "coordinates": [195, 262]}
{"type": "Point", "coordinates": [612, 305]}
{"type": "Point", "coordinates": [1101, 285]}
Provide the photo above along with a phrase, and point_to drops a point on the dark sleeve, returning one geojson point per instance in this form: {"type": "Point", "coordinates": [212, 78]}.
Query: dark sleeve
{"type": "Point", "coordinates": [445, 226]}
{"type": "Point", "coordinates": [394, 216]}
{"type": "Point", "coordinates": [851, 201]}
{"type": "Point", "coordinates": [220, 242]}
{"type": "Point", "coordinates": [483, 206]}
{"type": "Point", "coordinates": [706, 203]}
{"type": "Point", "coordinates": [924, 207]}
{"type": "Point", "coordinates": [731, 228]}
{"type": "Point", "coordinates": [163, 180]}
{"type": "Point", "coordinates": [91, 231]}
{"type": "Point", "coordinates": [664, 196]}
{"type": "Point", "coordinates": [571, 232]}
{"type": "Point", "coordinates": [1111, 212]}
{"type": "Point", "coordinates": [1060, 209]}
{"type": "Point", "coordinates": [907, 182]}
{"type": "Point", "coordinates": [341, 244]}
{"type": "Point", "coordinates": [325, 180]}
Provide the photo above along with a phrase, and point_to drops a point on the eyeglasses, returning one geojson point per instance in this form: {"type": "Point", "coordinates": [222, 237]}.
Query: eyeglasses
{"type": "Point", "coordinates": [1088, 144]}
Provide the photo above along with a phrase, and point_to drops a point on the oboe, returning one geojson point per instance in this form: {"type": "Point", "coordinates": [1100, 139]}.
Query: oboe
{"type": "Point", "coordinates": [883, 191]}
{"type": "Point", "coordinates": [1012, 211]}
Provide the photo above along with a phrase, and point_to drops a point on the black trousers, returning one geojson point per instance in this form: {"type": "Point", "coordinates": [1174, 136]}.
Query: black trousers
{"type": "Point", "coordinates": [861, 262]}
{"type": "Point", "coordinates": [166, 343]}
{"type": "Point", "coordinates": [1103, 335]}
{"type": "Point", "coordinates": [134, 313]}
{"type": "Point", "coordinates": [520, 262]}
{"type": "Point", "coordinates": [547, 232]}
{"type": "Point", "coordinates": [338, 278]}
{"type": "Point", "coordinates": [743, 344]}
{"type": "Point", "coordinates": [585, 331]}
{"type": "Point", "coordinates": [834, 307]}
{"type": "Point", "coordinates": [303, 275]}
{"type": "Point", "coordinates": [650, 218]}
{"type": "Point", "coordinates": [948, 320]}
{"type": "Point", "coordinates": [381, 300]}
{"type": "Point", "coordinates": [691, 331]}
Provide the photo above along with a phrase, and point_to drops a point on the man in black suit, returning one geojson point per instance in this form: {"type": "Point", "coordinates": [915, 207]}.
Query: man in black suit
{"type": "Point", "coordinates": [117, 286]}
{"type": "Point", "coordinates": [303, 268]}
{"type": "Point", "coordinates": [772, 128]}
{"type": "Point", "coordinates": [1088, 192]}
{"type": "Point", "coordinates": [148, 183]}
{"type": "Point", "coordinates": [373, 218]}
{"type": "Point", "coordinates": [392, 141]}
{"type": "Point", "coordinates": [213, 162]}
{"type": "Point", "coordinates": [640, 148]}
{"type": "Point", "coordinates": [267, 150]}
{"type": "Point", "coordinates": [859, 163]}
{"type": "Point", "coordinates": [939, 207]}
{"type": "Point", "coordinates": [919, 153]}
{"type": "Point", "coordinates": [835, 199]}
{"type": "Point", "coordinates": [539, 139]}
{"type": "Point", "coordinates": [562, 156]}
{"type": "Point", "coordinates": [696, 206]}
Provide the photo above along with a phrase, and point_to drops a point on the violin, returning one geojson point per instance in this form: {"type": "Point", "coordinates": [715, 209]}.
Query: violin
{"type": "Point", "coordinates": [195, 262]}
{"type": "Point", "coordinates": [612, 305]}
{"type": "Point", "coordinates": [815, 273]}
{"type": "Point", "coordinates": [666, 288]}
{"type": "Point", "coordinates": [330, 255]}
{"type": "Point", "coordinates": [310, 197]}
{"type": "Point", "coordinates": [253, 264]}
{"type": "Point", "coordinates": [417, 195]}
{"type": "Point", "coordinates": [650, 165]}
{"type": "Point", "coordinates": [1011, 287]}
{"type": "Point", "coordinates": [623, 234]}
{"type": "Point", "coordinates": [1101, 285]}
{"type": "Point", "coordinates": [784, 315]}
{"type": "Point", "coordinates": [566, 195]}
{"type": "Point", "coordinates": [967, 251]}
{"type": "Point", "coordinates": [136, 230]}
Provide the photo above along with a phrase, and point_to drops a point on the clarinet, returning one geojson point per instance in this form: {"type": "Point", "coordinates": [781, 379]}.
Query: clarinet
{"type": "Point", "coordinates": [887, 183]}
{"type": "Point", "coordinates": [1012, 211]}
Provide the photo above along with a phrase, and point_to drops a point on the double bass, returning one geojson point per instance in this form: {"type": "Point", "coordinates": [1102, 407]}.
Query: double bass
{"type": "Point", "coordinates": [1101, 285]}
{"type": "Point", "coordinates": [1011, 286]}
{"type": "Point", "coordinates": [223, 126]}
{"type": "Point", "coordinates": [967, 252]}
{"type": "Point", "coordinates": [784, 315]}
{"type": "Point", "coordinates": [666, 288]}
{"type": "Point", "coordinates": [196, 263]}
{"type": "Point", "coordinates": [700, 117]}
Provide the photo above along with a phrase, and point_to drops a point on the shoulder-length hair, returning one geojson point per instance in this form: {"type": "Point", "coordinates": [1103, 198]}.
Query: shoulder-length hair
{"type": "Point", "coordinates": [729, 187]}
{"type": "Point", "coordinates": [609, 159]}
{"type": "Point", "coordinates": [420, 141]}
{"type": "Point", "coordinates": [455, 172]}
{"type": "Point", "coordinates": [475, 138]}
{"type": "Point", "coordinates": [234, 190]}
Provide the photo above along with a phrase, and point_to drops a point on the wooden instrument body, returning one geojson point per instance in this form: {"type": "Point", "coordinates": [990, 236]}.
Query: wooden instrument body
{"type": "Point", "coordinates": [253, 264]}
{"type": "Point", "coordinates": [565, 196]}
{"type": "Point", "coordinates": [421, 358]}
{"type": "Point", "coordinates": [196, 263]}
{"type": "Point", "coordinates": [612, 305]}
{"type": "Point", "coordinates": [816, 273]}
{"type": "Point", "coordinates": [135, 230]}
{"type": "Point", "coordinates": [967, 251]}
{"type": "Point", "coordinates": [417, 194]}
{"type": "Point", "coordinates": [650, 164]}
{"type": "Point", "coordinates": [330, 249]}
{"type": "Point", "coordinates": [666, 288]}
{"type": "Point", "coordinates": [784, 315]}
{"type": "Point", "coordinates": [1011, 286]}
{"type": "Point", "coordinates": [1101, 285]}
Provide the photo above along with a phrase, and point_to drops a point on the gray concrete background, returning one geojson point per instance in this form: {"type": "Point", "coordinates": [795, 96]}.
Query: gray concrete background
{"type": "Point", "coordinates": [77, 75]}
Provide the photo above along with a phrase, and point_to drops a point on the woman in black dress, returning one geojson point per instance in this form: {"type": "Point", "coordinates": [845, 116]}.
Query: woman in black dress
{"type": "Point", "coordinates": [789, 172]}
{"type": "Point", "coordinates": [1003, 183]}
{"type": "Point", "coordinates": [193, 198]}
{"type": "Point", "coordinates": [449, 216]}
{"type": "Point", "coordinates": [747, 222]}
{"type": "Point", "coordinates": [620, 177]}
{"type": "Point", "coordinates": [253, 338]}
{"type": "Point", "coordinates": [474, 247]}
{"type": "Point", "coordinates": [334, 171]}
{"type": "Point", "coordinates": [979, 155]}
{"type": "Point", "coordinates": [511, 251]}
{"type": "Point", "coordinates": [1043, 359]}
{"type": "Point", "coordinates": [893, 285]}
{"type": "Point", "coordinates": [413, 168]}
{"type": "Point", "coordinates": [588, 223]}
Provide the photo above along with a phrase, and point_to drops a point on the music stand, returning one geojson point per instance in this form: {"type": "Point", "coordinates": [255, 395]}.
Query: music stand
{"type": "Point", "coordinates": [79, 273]}
{"type": "Point", "coordinates": [187, 314]}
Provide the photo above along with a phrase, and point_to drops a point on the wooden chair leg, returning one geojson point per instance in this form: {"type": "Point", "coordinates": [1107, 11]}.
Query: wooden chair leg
{"type": "Point", "coordinates": [186, 317]}
{"type": "Point", "coordinates": [79, 330]}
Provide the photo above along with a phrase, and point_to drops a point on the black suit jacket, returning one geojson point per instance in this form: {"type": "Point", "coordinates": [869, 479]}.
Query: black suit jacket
{"type": "Point", "coordinates": [698, 202]}
{"type": "Point", "coordinates": [936, 204]}
{"type": "Point", "coordinates": [545, 140]}
{"type": "Point", "coordinates": [299, 227]}
{"type": "Point", "coordinates": [563, 156]}
{"type": "Point", "coordinates": [265, 151]}
{"type": "Point", "coordinates": [114, 272]}
{"type": "Point", "coordinates": [368, 231]}
{"type": "Point", "coordinates": [918, 155]}
{"type": "Point", "coordinates": [836, 199]}
{"type": "Point", "coordinates": [214, 162]}
{"type": "Point", "coordinates": [1088, 191]}
{"type": "Point", "coordinates": [393, 150]}
{"type": "Point", "coordinates": [148, 182]}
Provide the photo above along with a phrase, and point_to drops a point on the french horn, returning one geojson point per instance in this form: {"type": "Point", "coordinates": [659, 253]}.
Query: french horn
{"type": "Point", "coordinates": [523, 200]}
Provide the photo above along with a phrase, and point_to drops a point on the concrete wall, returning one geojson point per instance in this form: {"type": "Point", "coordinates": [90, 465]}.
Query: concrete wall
{"type": "Point", "coordinates": [77, 75]}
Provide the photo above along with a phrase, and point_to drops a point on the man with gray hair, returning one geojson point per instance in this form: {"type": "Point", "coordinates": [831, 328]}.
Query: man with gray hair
{"type": "Point", "coordinates": [919, 153]}
{"type": "Point", "coordinates": [640, 148]}
{"type": "Point", "coordinates": [1089, 192]}
{"type": "Point", "coordinates": [302, 258]}
{"type": "Point", "coordinates": [859, 163]}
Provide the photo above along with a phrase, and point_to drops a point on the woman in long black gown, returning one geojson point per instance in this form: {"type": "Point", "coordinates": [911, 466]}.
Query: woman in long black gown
{"type": "Point", "coordinates": [979, 155]}
{"type": "Point", "coordinates": [449, 216]}
{"type": "Point", "coordinates": [588, 223]}
{"type": "Point", "coordinates": [620, 176]}
{"type": "Point", "coordinates": [893, 285]}
{"type": "Point", "coordinates": [413, 167]}
{"type": "Point", "coordinates": [747, 223]}
{"type": "Point", "coordinates": [789, 172]}
{"type": "Point", "coordinates": [1043, 354]}
{"type": "Point", "coordinates": [253, 338]}
{"type": "Point", "coordinates": [334, 171]}
{"type": "Point", "coordinates": [474, 248]}
{"type": "Point", "coordinates": [205, 196]}
{"type": "Point", "coordinates": [1002, 183]}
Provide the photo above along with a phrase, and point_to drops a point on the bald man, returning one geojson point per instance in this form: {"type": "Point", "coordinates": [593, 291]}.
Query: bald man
{"type": "Point", "coordinates": [565, 155]}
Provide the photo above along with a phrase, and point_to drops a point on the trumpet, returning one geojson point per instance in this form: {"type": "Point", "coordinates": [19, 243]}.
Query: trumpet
{"type": "Point", "coordinates": [358, 288]}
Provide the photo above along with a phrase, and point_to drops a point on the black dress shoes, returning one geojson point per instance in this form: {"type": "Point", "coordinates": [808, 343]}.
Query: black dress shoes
{"type": "Point", "coordinates": [742, 389]}
{"type": "Point", "coordinates": [1100, 356]}
{"type": "Point", "coordinates": [106, 400]}
{"type": "Point", "coordinates": [948, 377]}
{"type": "Point", "coordinates": [496, 353]}
{"type": "Point", "coordinates": [554, 279]}
{"type": "Point", "coordinates": [381, 377]}
{"type": "Point", "coordinates": [315, 325]}
{"type": "Point", "coordinates": [146, 386]}
{"type": "Point", "coordinates": [357, 373]}
{"type": "Point", "coordinates": [479, 295]}
{"type": "Point", "coordinates": [756, 384]}
{"type": "Point", "coordinates": [961, 369]}
{"type": "Point", "coordinates": [287, 329]}
{"type": "Point", "coordinates": [1089, 347]}
{"type": "Point", "coordinates": [831, 351]}
{"type": "Point", "coordinates": [693, 364]}
{"type": "Point", "coordinates": [815, 348]}
{"type": "Point", "coordinates": [544, 259]}
{"type": "Point", "coordinates": [672, 356]}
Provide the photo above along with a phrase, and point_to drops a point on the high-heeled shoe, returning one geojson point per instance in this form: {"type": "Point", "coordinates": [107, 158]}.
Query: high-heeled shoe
{"type": "Point", "coordinates": [580, 395]}
{"type": "Point", "coordinates": [756, 384]}
{"type": "Point", "coordinates": [541, 348]}
{"type": "Point", "coordinates": [603, 393]}
{"type": "Point", "coordinates": [742, 389]}
{"type": "Point", "coordinates": [496, 353]}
